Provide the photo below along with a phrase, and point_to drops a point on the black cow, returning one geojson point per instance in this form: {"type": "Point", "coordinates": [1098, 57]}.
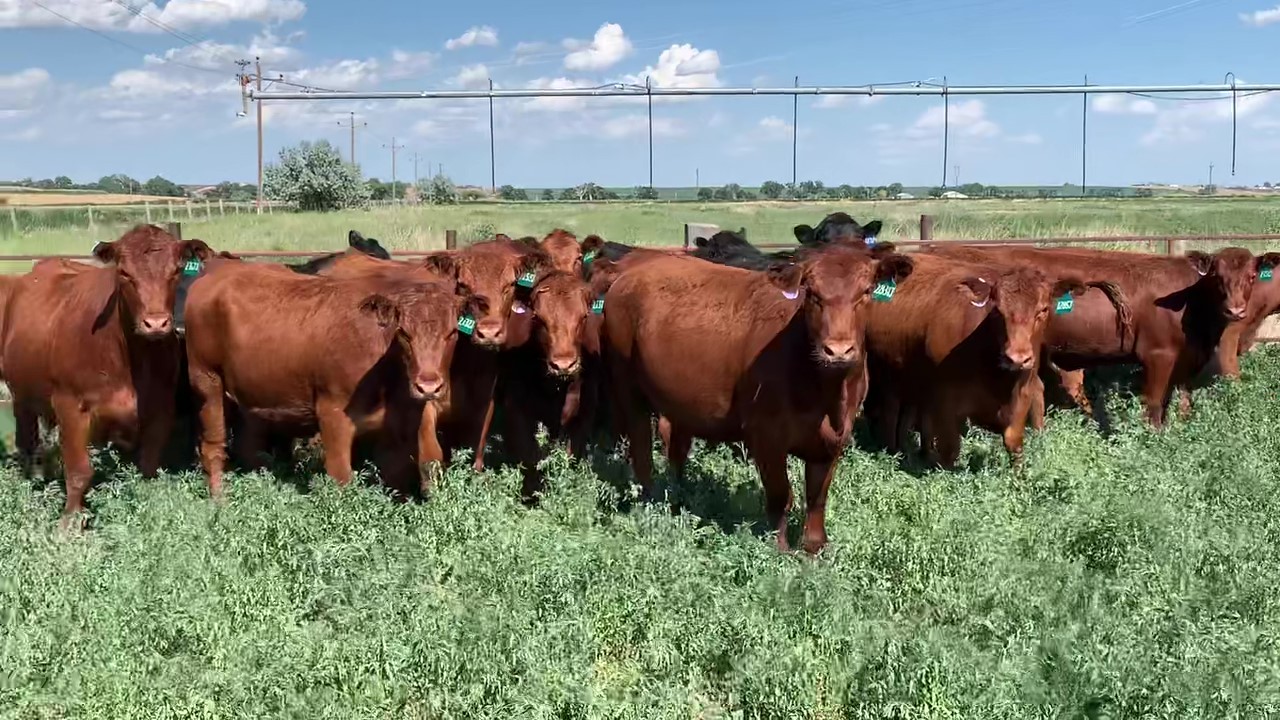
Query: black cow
{"type": "Point", "coordinates": [837, 227]}
{"type": "Point", "coordinates": [355, 241]}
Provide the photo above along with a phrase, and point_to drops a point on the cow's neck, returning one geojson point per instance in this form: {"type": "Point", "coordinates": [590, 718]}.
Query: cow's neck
{"type": "Point", "coordinates": [820, 381]}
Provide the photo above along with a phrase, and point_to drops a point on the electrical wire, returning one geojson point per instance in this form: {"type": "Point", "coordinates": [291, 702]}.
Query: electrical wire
{"type": "Point", "coordinates": [122, 43]}
{"type": "Point", "coordinates": [181, 35]}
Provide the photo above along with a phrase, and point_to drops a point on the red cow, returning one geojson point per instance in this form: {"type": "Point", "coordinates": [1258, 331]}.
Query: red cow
{"type": "Point", "coordinates": [960, 341]}
{"type": "Point", "coordinates": [1180, 306]}
{"type": "Point", "coordinates": [94, 349]}
{"type": "Point", "coordinates": [555, 377]}
{"type": "Point", "coordinates": [345, 356]}
{"type": "Point", "coordinates": [775, 360]}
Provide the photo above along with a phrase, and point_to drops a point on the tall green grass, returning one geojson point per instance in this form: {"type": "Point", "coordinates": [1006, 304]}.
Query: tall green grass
{"type": "Point", "coordinates": [1134, 575]}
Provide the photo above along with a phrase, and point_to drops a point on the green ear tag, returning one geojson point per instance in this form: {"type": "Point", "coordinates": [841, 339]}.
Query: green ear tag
{"type": "Point", "coordinates": [597, 306]}
{"type": "Point", "coordinates": [466, 324]}
{"type": "Point", "coordinates": [885, 290]}
{"type": "Point", "coordinates": [526, 280]}
{"type": "Point", "coordinates": [586, 259]}
{"type": "Point", "coordinates": [192, 267]}
{"type": "Point", "coordinates": [1265, 274]}
{"type": "Point", "coordinates": [1064, 305]}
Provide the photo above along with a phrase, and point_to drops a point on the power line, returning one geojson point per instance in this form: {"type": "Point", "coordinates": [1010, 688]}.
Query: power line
{"type": "Point", "coordinates": [122, 43]}
{"type": "Point", "coordinates": [183, 36]}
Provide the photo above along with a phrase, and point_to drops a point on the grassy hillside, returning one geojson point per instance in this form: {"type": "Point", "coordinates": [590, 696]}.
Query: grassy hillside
{"type": "Point", "coordinates": [1129, 576]}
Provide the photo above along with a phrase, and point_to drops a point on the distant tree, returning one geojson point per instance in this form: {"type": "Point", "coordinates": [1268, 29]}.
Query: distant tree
{"type": "Point", "coordinates": [118, 184]}
{"type": "Point", "coordinates": [233, 192]}
{"type": "Point", "coordinates": [509, 192]}
{"type": "Point", "coordinates": [471, 194]}
{"type": "Point", "coordinates": [810, 189]}
{"type": "Point", "coordinates": [163, 187]}
{"type": "Point", "coordinates": [313, 176]}
{"type": "Point", "coordinates": [588, 192]}
{"type": "Point", "coordinates": [438, 190]}
{"type": "Point", "coordinates": [62, 182]}
{"type": "Point", "coordinates": [706, 193]}
{"type": "Point", "coordinates": [772, 190]}
{"type": "Point", "coordinates": [894, 189]}
{"type": "Point", "coordinates": [732, 191]}
{"type": "Point", "coordinates": [936, 192]}
{"type": "Point", "coordinates": [972, 189]}
{"type": "Point", "coordinates": [45, 184]}
{"type": "Point", "coordinates": [645, 192]}
{"type": "Point", "coordinates": [548, 194]}
{"type": "Point", "coordinates": [843, 192]}
{"type": "Point", "coordinates": [378, 190]}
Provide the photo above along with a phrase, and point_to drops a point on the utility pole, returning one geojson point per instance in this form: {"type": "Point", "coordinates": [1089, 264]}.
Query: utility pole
{"type": "Point", "coordinates": [955, 175]}
{"type": "Point", "coordinates": [352, 122]}
{"type": "Point", "coordinates": [245, 79]}
{"type": "Point", "coordinates": [415, 168]}
{"type": "Point", "coordinates": [1209, 188]}
{"type": "Point", "coordinates": [394, 147]}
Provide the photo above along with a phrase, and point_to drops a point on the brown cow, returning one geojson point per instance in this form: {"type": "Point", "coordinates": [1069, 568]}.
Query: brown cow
{"type": "Point", "coordinates": [555, 377]}
{"type": "Point", "coordinates": [562, 246]}
{"type": "Point", "coordinates": [960, 341]}
{"type": "Point", "coordinates": [1181, 307]}
{"type": "Point", "coordinates": [94, 350]}
{"type": "Point", "coordinates": [1264, 303]}
{"type": "Point", "coordinates": [347, 356]}
{"type": "Point", "coordinates": [775, 360]}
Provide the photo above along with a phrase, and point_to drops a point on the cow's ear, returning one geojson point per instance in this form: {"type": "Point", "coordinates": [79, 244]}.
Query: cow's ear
{"type": "Point", "coordinates": [787, 278]}
{"type": "Point", "coordinates": [603, 273]}
{"type": "Point", "coordinates": [383, 309]}
{"type": "Point", "coordinates": [894, 267]}
{"type": "Point", "coordinates": [978, 291]}
{"type": "Point", "coordinates": [196, 249]}
{"type": "Point", "coordinates": [1202, 262]}
{"type": "Point", "coordinates": [537, 262]}
{"type": "Point", "coordinates": [803, 233]}
{"type": "Point", "coordinates": [592, 243]}
{"type": "Point", "coordinates": [354, 239]}
{"type": "Point", "coordinates": [503, 237]}
{"type": "Point", "coordinates": [883, 249]}
{"type": "Point", "coordinates": [700, 242]}
{"type": "Point", "coordinates": [872, 229]}
{"type": "Point", "coordinates": [375, 249]}
{"type": "Point", "coordinates": [1267, 260]}
{"type": "Point", "coordinates": [105, 252]}
{"type": "Point", "coordinates": [442, 264]}
{"type": "Point", "coordinates": [529, 240]}
{"type": "Point", "coordinates": [1069, 285]}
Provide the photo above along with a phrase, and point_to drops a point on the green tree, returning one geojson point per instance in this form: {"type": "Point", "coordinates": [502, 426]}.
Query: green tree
{"type": "Point", "coordinates": [935, 192]}
{"type": "Point", "coordinates": [705, 193]}
{"type": "Point", "coordinates": [163, 187]}
{"type": "Point", "coordinates": [62, 182]}
{"type": "Point", "coordinates": [645, 192]}
{"type": "Point", "coordinates": [587, 192]}
{"type": "Point", "coordinates": [772, 190]}
{"type": "Point", "coordinates": [894, 189]}
{"type": "Point", "coordinates": [438, 190]}
{"type": "Point", "coordinates": [548, 194]}
{"type": "Point", "coordinates": [378, 190]}
{"type": "Point", "coordinates": [313, 176]}
{"type": "Point", "coordinates": [732, 191]}
{"type": "Point", "coordinates": [510, 192]}
{"type": "Point", "coordinates": [810, 189]}
{"type": "Point", "coordinates": [118, 184]}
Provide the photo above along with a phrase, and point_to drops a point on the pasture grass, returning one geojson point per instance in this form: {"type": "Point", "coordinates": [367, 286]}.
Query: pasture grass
{"type": "Point", "coordinates": [1132, 575]}
{"type": "Point", "coordinates": [655, 223]}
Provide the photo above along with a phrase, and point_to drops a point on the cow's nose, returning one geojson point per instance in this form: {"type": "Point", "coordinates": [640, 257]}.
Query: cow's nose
{"type": "Point", "coordinates": [428, 388]}
{"type": "Point", "coordinates": [1019, 360]}
{"type": "Point", "coordinates": [491, 333]}
{"type": "Point", "coordinates": [157, 324]}
{"type": "Point", "coordinates": [839, 351]}
{"type": "Point", "coordinates": [1236, 313]}
{"type": "Point", "coordinates": [563, 365]}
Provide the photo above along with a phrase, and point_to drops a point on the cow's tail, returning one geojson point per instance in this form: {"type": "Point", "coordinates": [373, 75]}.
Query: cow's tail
{"type": "Point", "coordinates": [1124, 313]}
{"type": "Point", "coordinates": [8, 288]}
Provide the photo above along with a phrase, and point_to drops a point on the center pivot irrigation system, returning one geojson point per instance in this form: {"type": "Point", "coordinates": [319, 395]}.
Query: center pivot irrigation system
{"type": "Point", "coordinates": [1229, 90]}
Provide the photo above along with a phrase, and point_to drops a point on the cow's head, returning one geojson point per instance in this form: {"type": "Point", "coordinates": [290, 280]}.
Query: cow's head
{"type": "Point", "coordinates": [1025, 298]}
{"type": "Point", "coordinates": [563, 248]}
{"type": "Point", "coordinates": [422, 320]}
{"type": "Point", "coordinates": [837, 227]}
{"type": "Point", "coordinates": [489, 273]}
{"type": "Point", "coordinates": [1233, 271]}
{"type": "Point", "coordinates": [559, 307]}
{"type": "Point", "coordinates": [148, 263]}
{"type": "Point", "coordinates": [835, 286]}
{"type": "Point", "coordinates": [368, 246]}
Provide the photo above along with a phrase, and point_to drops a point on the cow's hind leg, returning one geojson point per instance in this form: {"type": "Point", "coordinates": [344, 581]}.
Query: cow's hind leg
{"type": "Point", "coordinates": [213, 427]}
{"type": "Point", "coordinates": [73, 437]}
{"type": "Point", "coordinates": [817, 482]}
{"type": "Point", "coordinates": [26, 435]}
{"type": "Point", "coordinates": [519, 432]}
{"type": "Point", "coordinates": [1157, 373]}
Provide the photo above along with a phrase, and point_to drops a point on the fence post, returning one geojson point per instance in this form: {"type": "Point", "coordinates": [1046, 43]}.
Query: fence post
{"type": "Point", "coordinates": [222, 209]}
{"type": "Point", "coordinates": [174, 229]}
{"type": "Point", "coordinates": [13, 218]}
{"type": "Point", "coordinates": [1169, 245]}
{"type": "Point", "coordinates": [190, 214]}
{"type": "Point", "coordinates": [926, 228]}
{"type": "Point", "coordinates": [170, 211]}
{"type": "Point", "coordinates": [91, 225]}
{"type": "Point", "coordinates": [208, 211]}
{"type": "Point", "coordinates": [450, 239]}
{"type": "Point", "coordinates": [147, 205]}
{"type": "Point", "coordinates": [693, 231]}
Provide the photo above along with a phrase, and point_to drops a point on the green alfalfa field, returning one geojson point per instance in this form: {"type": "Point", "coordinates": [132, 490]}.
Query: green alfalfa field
{"type": "Point", "coordinates": [1131, 574]}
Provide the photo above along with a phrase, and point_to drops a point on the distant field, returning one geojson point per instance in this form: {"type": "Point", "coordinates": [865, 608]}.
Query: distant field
{"type": "Point", "coordinates": [658, 223]}
{"type": "Point", "coordinates": [26, 198]}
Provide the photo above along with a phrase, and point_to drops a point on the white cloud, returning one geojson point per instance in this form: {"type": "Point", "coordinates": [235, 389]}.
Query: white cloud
{"type": "Point", "coordinates": [835, 101]}
{"type": "Point", "coordinates": [1260, 18]}
{"type": "Point", "coordinates": [22, 91]}
{"type": "Point", "coordinates": [340, 75]}
{"type": "Point", "coordinates": [770, 129]}
{"type": "Point", "coordinates": [32, 133]}
{"type": "Point", "coordinates": [624, 126]}
{"type": "Point", "coordinates": [475, 36]}
{"type": "Point", "coordinates": [222, 56]}
{"type": "Point", "coordinates": [1185, 121]}
{"type": "Point", "coordinates": [557, 104]}
{"type": "Point", "coordinates": [609, 46]}
{"type": "Point", "coordinates": [774, 127]}
{"type": "Point", "coordinates": [967, 119]}
{"type": "Point", "coordinates": [472, 77]}
{"type": "Point", "coordinates": [1030, 138]}
{"type": "Point", "coordinates": [180, 14]}
{"type": "Point", "coordinates": [409, 64]}
{"type": "Point", "coordinates": [682, 66]}
{"type": "Point", "coordinates": [1122, 105]}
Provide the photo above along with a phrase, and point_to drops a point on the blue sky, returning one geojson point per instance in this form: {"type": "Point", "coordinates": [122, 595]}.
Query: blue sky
{"type": "Point", "coordinates": [73, 102]}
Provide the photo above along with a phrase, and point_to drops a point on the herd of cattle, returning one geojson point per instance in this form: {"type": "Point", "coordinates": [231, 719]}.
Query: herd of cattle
{"type": "Point", "coordinates": [401, 363]}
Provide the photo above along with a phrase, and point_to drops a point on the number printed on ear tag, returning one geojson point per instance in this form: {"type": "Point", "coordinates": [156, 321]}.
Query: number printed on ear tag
{"type": "Point", "coordinates": [466, 324]}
